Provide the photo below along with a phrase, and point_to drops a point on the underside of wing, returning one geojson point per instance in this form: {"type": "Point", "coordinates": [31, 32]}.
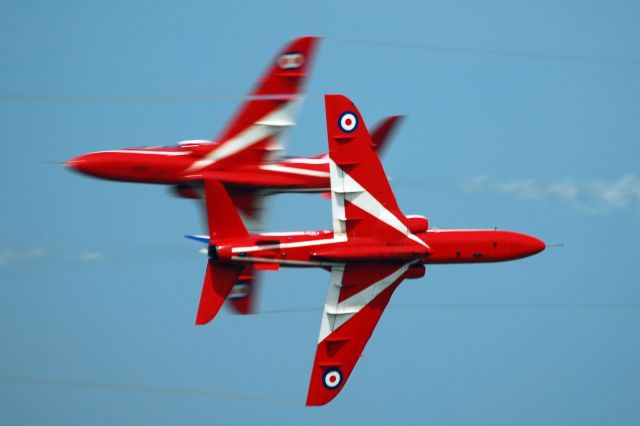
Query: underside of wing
{"type": "Point", "coordinates": [358, 294]}
{"type": "Point", "coordinates": [243, 296]}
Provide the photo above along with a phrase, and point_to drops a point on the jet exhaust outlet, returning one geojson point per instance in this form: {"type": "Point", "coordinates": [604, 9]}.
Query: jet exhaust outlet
{"type": "Point", "coordinates": [213, 253]}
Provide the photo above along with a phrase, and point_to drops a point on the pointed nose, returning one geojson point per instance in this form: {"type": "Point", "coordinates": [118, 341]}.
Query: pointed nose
{"type": "Point", "coordinates": [95, 164]}
{"type": "Point", "coordinates": [526, 245]}
{"type": "Point", "coordinates": [78, 163]}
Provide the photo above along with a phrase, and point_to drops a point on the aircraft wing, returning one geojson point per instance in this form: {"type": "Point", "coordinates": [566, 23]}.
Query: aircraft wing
{"type": "Point", "coordinates": [257, 132]}
{"type": "Point", "coordinates": [357, 296]}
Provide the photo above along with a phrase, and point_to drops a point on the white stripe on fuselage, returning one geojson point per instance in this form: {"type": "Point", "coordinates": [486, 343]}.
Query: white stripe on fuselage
{"type": "Point", "coordinates": [289, 234]}
{"type": "Point", "coordinates": [144, 151]}
{"type": "Point", "coordinates": [294, 170]}
{"type": "Point", "coordinates": [248, 259]}
{"type": "Point", "coordinates": [307, 243]}
{"type": "Point", "coordinates": [323, 160]}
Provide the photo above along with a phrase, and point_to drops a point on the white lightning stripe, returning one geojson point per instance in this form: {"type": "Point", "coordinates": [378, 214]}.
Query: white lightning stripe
{"type": "Point", "coordinates": [357, 195]}
{"type": "Point", "coordinates": [289, 245]}
{"type": "Point", "coordinates": [289, 190]}
{"type": "Point", "coordinates": [245, 259]}
{"type": "Point", "coordinates": [337, 314]}
{"type": "Point", "coordinates": [333, 295]}
{"type": "Point", "coordinates": [323, 160]}
{"type": "Point", "coordinates": [248, 137]}
{"type": "Point", "coordinates": [337, 200]}
{"type": "Point", "coordinates": [194, 142]}
{"type": "Point", "coordinates": [146, 151]}
{"type": "Point", "coordinates": [289, 234]}
{"type": "Point", "coordinates": [294, 170]}
{"type": "Point", "coordinates": [243, 140]}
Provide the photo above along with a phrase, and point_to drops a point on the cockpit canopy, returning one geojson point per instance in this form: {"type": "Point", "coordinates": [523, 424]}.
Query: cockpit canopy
{"type": "Point", "coordinates": [198, 147]}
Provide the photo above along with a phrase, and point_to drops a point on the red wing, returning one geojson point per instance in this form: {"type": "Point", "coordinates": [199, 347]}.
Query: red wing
{"type": "Point", "coordinates": [357, 296]}
{"type": "Point", "coordinates": [257, 130]}
{"type": "Point", "coordinates": [285, 77]}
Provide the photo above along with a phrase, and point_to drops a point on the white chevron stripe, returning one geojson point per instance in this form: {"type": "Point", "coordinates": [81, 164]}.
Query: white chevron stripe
{"type": "Point", "coordinates": [308, 243]}
{"type": "Point", "coordinates": [337, 314]}
{"type": "Point", "coordinates": [345, 188]}
{"type": "Point", "coordinates": [336, 176]}
{"type": "Point", "coordinates": [294, 170]}
{"type": "Point", "coordinates": [260, 130]}
{"type": "Point", "coordinates": [333, 295]}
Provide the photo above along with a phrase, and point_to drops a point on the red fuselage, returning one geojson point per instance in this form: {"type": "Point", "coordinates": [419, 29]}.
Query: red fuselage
{"type": "Point", "coordinates": [321, 248]}
{"type": "Point", "coordinates": [174, 166]}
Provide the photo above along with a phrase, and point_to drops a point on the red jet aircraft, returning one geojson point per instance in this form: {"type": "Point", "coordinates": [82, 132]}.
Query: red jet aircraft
{"type": "Point", "coordinates": [372, 248]}
{"type": "Point", "coordinates": [243, 157]}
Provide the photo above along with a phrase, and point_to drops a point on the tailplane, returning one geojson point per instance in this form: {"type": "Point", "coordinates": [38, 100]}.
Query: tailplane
{"type": "Point", "coordinates": [224, 222]}
{"type": "Point", "coordinates": [383, 132]}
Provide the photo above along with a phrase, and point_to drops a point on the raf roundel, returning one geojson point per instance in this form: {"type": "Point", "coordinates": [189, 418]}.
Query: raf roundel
{"type": "Point", "coordinates": [291, 61]}
{"type": "Point", "coordinates": [348, 122]}
{"type": "Point", "coordinates": [332, 378]}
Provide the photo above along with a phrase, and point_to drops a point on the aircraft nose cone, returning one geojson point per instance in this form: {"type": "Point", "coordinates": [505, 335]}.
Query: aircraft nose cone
{"type": "Point", "coordinates": [527, 245]}
{"type": "Point", "coordinates": [88, 164]}
{"type": "Point", "coordinates": [76, 163]}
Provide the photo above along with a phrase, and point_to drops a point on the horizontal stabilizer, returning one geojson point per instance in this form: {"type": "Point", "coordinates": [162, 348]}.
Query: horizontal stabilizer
{"type": "Point", "coordinates": [222, 215]}
{"type": "Point", "coordinates": [384, 132]}
{"type": "Point", "coordinates": [218, 282]}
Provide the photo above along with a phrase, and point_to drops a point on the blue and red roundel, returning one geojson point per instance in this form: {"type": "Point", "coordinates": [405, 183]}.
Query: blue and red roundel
{"type": "Point", "coordinates": [332, 378]}
{"type": "Point", "coordinates": [291, 61]}
{"type": "Point", "coordinates": [348, 122]}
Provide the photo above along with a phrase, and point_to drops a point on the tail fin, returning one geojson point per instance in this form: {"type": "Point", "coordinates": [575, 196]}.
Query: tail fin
{"type": "Point", "coordinates": [363, 204]}
{"type": "Point", "coordinates": [224, 222]}
{"type": "Point", "coordinates": [257, 129]}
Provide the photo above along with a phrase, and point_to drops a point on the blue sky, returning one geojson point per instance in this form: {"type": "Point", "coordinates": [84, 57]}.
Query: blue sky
{"type": "Point", "coordinates": [98, 287]}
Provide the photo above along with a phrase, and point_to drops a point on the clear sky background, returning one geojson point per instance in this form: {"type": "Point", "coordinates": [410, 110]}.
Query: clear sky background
{"type": "Point", "coordinates": [532, 125]}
